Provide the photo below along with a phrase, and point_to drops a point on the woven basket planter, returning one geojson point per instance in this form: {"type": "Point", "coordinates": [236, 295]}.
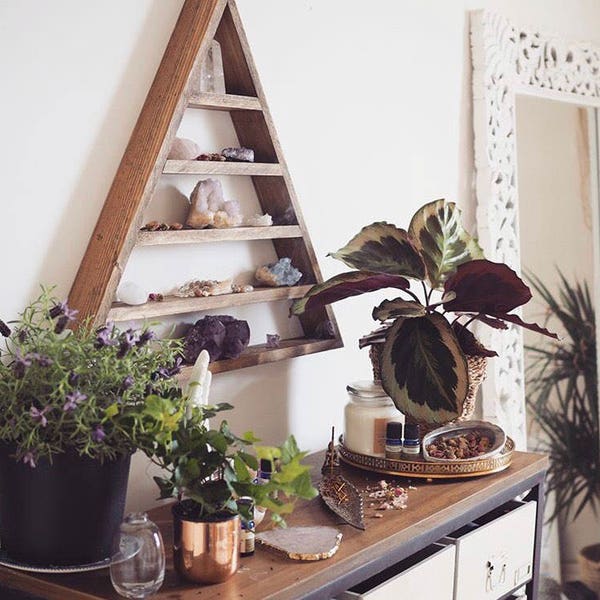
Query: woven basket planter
{"type": "Point", "coordinates": [476, 367]}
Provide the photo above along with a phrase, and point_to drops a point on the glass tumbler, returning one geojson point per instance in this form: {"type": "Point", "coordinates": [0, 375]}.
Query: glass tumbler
{"type": "Point", "coordinates": [137, 565]}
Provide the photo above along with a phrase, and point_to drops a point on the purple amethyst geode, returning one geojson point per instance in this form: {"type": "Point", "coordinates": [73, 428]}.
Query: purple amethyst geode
{"type": "Point", "coordinates": [221, 336]}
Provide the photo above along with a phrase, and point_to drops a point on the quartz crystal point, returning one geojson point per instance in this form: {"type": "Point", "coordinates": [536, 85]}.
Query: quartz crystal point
{"type": "Point", "coordinates": [208, 207]}
{"type": "Point", "coordinates": [184, 149]}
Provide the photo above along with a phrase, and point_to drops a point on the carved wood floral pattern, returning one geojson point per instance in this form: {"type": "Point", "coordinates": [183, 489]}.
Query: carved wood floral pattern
{"type": "Point", "coordinates": [507, 59]}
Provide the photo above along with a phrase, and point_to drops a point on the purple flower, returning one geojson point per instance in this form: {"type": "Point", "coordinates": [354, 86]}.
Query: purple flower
{"type": "Point", "coordinates": [167, 372]}
{"type": "Point", "coordinates": [57, 310]}
{"type": "Point", "coordinates": [22, 335]}
{"type": "Point", "coordinates": [127, 341]}
{"type": "Point", "coordinates": [127, 382]}
{"type": "Point", "coordinates": [103, 336]}
{"type": "Point", "coordinates": [40, 359]}
{"type": "Point", "coordinates": [72, 400]}
{"type": "Point", "coordinates": [64, 314]}
{"type": "Point", "coordinates": [29, 459]}
{"type": "Point", "coordinates": [39, 415]}
{"type": "Point", "coordinates": [73, 378]}
{"type": "Point", "coordinates": [4, 328]}
{"type": "Point", "coordinates": [146, 337]}
{"type": "Point", "coordinates": [98, 434]}
{"type": "Point", "coordinates": [20, 364]}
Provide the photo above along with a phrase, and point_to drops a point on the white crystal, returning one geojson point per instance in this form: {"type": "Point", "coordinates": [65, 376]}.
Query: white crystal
{"type": "Point", "coordinates": [184, 149]}
{"type": "Point", "coordinates": [259, 221]}
{"type": "Point", "coordinates": [133, 294]}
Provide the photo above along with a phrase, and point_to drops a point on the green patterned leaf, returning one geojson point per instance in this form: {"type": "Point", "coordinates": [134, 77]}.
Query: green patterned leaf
{"type": "Point", "coordinates": [383, 248]}
{"type": "Point", "coordinates": [392, 309]}
{"type": "Point", "coordinates": [442, 240]}
{"type": "Point", "coordinates": [346, 285]}
{"type": "Point", "coordinates": [424, 370]}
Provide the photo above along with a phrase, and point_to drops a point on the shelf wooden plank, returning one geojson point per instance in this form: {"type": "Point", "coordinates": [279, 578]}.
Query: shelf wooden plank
{"type": "Point", "coordinates": [173, 305]}
{"type": "Point", "coordinates": [207, 167]}
{"type": "Point", "coordinates": [235, 234]}
{"type": "Point", "coordinates": [224, 102]}
{"type": "Point", "coordinates": [260, 354]}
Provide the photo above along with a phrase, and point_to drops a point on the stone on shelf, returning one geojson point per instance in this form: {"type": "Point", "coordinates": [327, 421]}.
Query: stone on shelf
{"type": "Point", "coordinates": [258, 221]}
{"type": "Point", "coordinates": [133, 294]}
{"type": "Point", "coordinates": [208, 207]}
{"type": "Point", "coordinates": [238, 154]}
{"type": "Point", "coordinates": [287, 217]}
{"type": "Point", "coordinates": [273, 340]}
{"type": "Point", "coordinates": [201, 288]}
{"type": "Point", "coordinates": [223, 337]}
{"type": "Point", "coordinates": [184, 149]}
{"type": "Point", "coordinates": [281, 273]}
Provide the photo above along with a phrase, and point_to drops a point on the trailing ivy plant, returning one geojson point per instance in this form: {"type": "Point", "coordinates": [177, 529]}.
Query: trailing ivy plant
{"type": "Point", "coordinates": [562, 395]}
{"type": "Point", "coordinates": [98, 392]}
{"type": "Point", "coordinates": [426, 339]}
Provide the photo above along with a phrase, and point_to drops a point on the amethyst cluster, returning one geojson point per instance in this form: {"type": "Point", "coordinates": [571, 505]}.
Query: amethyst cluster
{"type": "Point", "coordinates": [221, 336]}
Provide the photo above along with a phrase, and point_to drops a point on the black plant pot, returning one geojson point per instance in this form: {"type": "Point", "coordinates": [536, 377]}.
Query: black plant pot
{"type": "Point", "coordinates": [64, 513]}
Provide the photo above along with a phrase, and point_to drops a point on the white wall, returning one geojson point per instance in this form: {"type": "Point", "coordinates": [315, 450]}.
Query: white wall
{"type": "Point", "coordinates": [387, 89]}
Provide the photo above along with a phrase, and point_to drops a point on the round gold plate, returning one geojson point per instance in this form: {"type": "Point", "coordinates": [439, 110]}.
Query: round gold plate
{"type": "Point", "coordinates": [419, 467]}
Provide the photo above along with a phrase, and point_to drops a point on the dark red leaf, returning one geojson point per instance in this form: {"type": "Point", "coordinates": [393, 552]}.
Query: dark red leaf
{"type": "Point", "coordinates": [531, 326]}
{"type": "Point", "coordinates": [490, 321]}
{"type": "Point", "coordinates": [346, 285]}
{"type": "Point", "coordinates": [482, 286]}
{"type": "Point", "coordinates": [469, 344]}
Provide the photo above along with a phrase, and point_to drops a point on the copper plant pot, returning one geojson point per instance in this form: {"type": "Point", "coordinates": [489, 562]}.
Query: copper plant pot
{"type": "Point", "coordinates": [206, 551]}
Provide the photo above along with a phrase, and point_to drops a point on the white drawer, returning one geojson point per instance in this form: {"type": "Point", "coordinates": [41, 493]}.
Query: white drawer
{"type": "Point", "coordinates": [431, 576]}
{"type": "Point", "coordinates": [495, 555]}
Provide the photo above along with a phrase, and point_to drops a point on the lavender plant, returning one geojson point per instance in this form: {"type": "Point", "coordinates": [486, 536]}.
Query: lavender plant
{"type": "Point", "coordinates": [68, 386]}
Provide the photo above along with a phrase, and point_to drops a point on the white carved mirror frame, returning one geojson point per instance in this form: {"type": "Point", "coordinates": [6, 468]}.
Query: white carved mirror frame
{"type": "Point", "coordinates": [507, 61]}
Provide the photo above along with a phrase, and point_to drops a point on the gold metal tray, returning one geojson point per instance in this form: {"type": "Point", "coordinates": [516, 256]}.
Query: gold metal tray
{"type": "Point", "coordinates": [419, 467]}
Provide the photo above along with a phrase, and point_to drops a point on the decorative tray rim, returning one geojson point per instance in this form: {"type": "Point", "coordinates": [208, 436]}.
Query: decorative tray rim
{"type": "Point", "coordinates": [430, 470]}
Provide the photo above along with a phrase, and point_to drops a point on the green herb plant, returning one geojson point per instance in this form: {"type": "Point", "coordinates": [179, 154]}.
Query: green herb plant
{"type": "Point", "coordinates": [70, 387]}
{"type": "Point", "coordinates": [207, 470]}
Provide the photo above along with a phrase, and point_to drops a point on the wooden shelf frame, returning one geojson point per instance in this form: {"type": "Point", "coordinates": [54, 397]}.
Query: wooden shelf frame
{"type": "Point", "coordinates": [209, 167]}
{"type": "Point", "coordinates": [173, 305]}
{"type": "Point", "coordinates": [225, 102]}
{"type": "Point", "coordinates": [173, 90]}
{"type": "Point", "coordinates": [261, 354]}
{"type": "Point", "coordinates": [235, 234]}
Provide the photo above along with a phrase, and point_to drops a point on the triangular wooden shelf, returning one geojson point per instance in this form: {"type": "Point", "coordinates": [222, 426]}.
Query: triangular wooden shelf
{"type": "Point", "coordinates": [117, 231]}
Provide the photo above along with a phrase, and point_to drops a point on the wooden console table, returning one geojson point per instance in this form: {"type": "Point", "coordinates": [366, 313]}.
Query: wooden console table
{"type": "Point", "coordinates": [434, 510]}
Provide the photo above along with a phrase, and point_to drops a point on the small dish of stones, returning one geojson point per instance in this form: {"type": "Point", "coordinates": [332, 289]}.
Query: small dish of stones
{"type": "Point", "coordinates": [470, 440]}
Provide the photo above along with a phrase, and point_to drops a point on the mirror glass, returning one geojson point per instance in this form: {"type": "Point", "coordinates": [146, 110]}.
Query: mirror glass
{"type": "Point", "coordinates": [558, 197]}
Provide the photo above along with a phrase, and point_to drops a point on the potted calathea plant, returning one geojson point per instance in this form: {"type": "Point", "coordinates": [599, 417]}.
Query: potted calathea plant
{"type": "Point", "coordinates": [430, 361]}
{"type": "Point", "coordinates": [211, 473]}
{"type": "Point", "coordinates": [75, 403]}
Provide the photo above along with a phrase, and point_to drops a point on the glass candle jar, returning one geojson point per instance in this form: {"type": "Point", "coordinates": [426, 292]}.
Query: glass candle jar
{"type": "Point", "coordinates": [366, 416]}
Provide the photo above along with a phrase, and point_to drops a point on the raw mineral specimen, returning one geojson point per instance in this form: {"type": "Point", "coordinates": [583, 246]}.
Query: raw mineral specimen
{"type": "Point", "coordinates": [212, 156]}
{"type": "Point", "coordinates": [259, 221]}
{"type": "Point", "coordinates": [237, 288]}
{"type": "Point", "coordinates": [273, 340]}
{"type": "Point", "coordinates": [238, 154]}
{"type": "Point", "coordinates": [199, 288]}
{"type": "Point", "coordinates": [221, 336]}
{"type": "Point", "coordinates": [184, 149]}
{"type": "Point", "coordinates": [209, 208]}
{"type": "Point", "coordinates": [133, 294]}
{"type": "Point", "coordinates": [278, 274]}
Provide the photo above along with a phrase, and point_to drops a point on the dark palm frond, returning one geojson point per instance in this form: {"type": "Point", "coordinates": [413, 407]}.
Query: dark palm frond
{"type": "Point", "coordinates": [562, 396]}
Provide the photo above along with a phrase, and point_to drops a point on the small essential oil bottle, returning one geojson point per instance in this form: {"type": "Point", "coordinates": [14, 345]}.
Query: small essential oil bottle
{"type": "Point", "coordinates": [393, 440]}
{"type": "Point", "coordinates": [265, 470]}
{"type": "Point", "coordinates": [412, 443]}
{"type": "Point", "coordinates": [248, 533]}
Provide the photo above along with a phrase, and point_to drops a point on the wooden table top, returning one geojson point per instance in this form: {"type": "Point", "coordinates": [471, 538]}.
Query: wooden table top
{"type": "Point", "coordinates": [433, 510]}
